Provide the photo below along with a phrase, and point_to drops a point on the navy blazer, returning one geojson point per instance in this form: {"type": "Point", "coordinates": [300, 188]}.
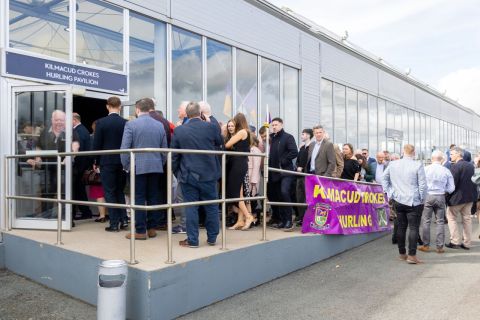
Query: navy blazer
{"type": "Point", "coordinates": [83, 162]}
{"type": "Point", "coordinates": [199, 135]}
{"type": "Point", "coordinates": [108, 136]}
{"type": "Point", "coordinates": [465, 189]}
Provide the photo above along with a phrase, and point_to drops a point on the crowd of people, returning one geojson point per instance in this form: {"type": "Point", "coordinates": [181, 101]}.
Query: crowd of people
{"type": "Point", "coordinates": [448, 185]}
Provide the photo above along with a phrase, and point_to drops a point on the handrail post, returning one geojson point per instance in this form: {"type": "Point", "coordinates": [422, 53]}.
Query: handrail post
{"type": "Point", "coordinates": [169, 209]}
{"type": "Point", "coordinates": [132, 210]}
{"type": "Point", "coordinates": [59, 204]}
{"type": "Point", "coordinates": [224, 205]}
{"type": "Point", "coordinates": [265, 183]}
{"type": "Point", "coordinates": [6, 177]}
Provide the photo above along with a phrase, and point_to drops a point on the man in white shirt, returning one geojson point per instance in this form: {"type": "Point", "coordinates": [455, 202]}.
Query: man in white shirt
{"type": "Point", "coordinates": [439, 182]}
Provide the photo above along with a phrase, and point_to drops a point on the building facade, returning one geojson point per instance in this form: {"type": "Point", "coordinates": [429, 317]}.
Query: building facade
{"type": "Point", "coordinates": [239, 55]}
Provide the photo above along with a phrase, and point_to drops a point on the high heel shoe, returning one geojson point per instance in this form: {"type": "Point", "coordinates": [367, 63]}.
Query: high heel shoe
{"type": "Point", "coordinates": [236, 226]}
{"type": "Point", "coordinates": [102, 219]}
{"type": "Point", "coordinates": [248, 223]}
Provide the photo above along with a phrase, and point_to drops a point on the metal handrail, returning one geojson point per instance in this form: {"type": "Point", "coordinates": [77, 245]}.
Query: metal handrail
{"type": "Point", "coordinates": [169, 205]}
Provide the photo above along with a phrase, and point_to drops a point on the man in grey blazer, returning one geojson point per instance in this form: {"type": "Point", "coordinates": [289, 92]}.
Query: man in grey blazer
{"type": "Point", "coordinates": [321, 155]}
{"type": "Point", "coordinates": [145, 132]}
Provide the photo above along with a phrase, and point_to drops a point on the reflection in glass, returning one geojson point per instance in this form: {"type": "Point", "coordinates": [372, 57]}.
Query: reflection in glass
{"type": "Point", "coordinates": [339, 113]}
{"type": "Point", "coordinates": [362, 120]}
{"type": "Point", "coordinates": [219, 80]}
{"type": "Point", "coordinates": [186, 67]}
{"type": "Point", "coordinates": [270, 89]}
{"type": "Point", "coordinates": [352, 112]}
{"type": "Point", "coordinates": [418, 137]}
{"type": "Point", "coordinates": [40, 27]}
{"type": "Point", "coordinates": [372, 125]}
{"type": "Point", "coordinates": [148, 69]}
{"type": "Point", "coordinates": [326, 106]}
{"type": "Point", "coordinates": [411, 127]}
{"type": "Point", "coordinates": [246, 93]}
{"type": "Point", "coordinates": [40, 126]}
{"type": "Point", "coordinates": [99, 34]}
{"type": "Point", "coordinates": [404, 127]}
{"type": "Point", "coordinates": [382, 124]}
{"type": "Point", "coordinates": [290, 100]}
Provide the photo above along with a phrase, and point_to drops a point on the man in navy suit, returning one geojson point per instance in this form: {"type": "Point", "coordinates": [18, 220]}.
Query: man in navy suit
{"type": "Point", "coordinates": [81, 163]}
{"type": "Point", "coordinates": [145, 132]}
{"type": "Point", "coordinates": [198, 174]}
{"type": "Point", "coordinates": [108, 136]}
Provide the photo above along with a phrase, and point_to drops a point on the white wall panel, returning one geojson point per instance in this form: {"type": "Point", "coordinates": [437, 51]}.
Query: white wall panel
{"type": "Point", "coordinates": [159, 6]}
{"type": "Point", "coordinates": [466, 119]}
{"type": "Point", "coordinates": [344, 67]}
{"type": "Point", "coordinates": [310, 112]}
{"type": "Point", "coordinates": [425, 102]}
{"type": "Point", "coordinates": [450, 113]}
{"type": "Point", "coordinates": [395, 89]}
{"type": "Point", "coordinates": [242, 23]}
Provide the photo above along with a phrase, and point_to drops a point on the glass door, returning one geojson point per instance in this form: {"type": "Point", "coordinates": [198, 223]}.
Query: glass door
{"type": "Point", "coordinates": [42, 123]}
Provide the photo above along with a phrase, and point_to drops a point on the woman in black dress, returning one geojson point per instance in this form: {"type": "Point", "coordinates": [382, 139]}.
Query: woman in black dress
{"type": "Point", "coordinates": [237, 170]}
{"type": "Point", "coordinates": [351, 168]}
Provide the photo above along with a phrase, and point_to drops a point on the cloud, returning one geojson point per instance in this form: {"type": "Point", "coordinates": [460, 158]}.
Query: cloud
{"type": "Point", "coordinates": [463, 85]}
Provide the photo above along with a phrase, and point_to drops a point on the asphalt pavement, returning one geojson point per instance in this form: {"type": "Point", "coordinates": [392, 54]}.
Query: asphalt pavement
{"type": "Point", "coordinates": [368, 282]}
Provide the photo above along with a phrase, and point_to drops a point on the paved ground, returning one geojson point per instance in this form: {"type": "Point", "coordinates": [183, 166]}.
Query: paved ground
{"type": "Point", "coordinates": [22, 299]}
{"type": "Point", "coordinates": [365, 283]}
{"type": "Point", "coordinates": [368, 282]}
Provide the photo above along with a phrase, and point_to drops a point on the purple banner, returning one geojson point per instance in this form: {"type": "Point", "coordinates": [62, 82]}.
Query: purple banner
{"type": "Point", "coordinates": [344, 207]}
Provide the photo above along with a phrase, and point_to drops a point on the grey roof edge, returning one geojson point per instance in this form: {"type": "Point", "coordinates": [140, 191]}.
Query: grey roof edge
{"type": "Point", "coordinates": [322, 33]}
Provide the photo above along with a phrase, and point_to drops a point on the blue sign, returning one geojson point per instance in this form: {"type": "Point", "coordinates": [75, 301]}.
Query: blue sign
{"type": "Point", "coordinates": [43, 69]}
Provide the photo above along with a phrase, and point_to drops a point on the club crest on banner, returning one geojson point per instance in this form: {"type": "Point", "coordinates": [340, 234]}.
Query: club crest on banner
{"type": "Point", "coordinates": [321, 216]}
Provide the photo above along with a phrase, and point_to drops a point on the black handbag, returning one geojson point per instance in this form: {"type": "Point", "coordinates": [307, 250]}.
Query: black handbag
{"type": "Point", "coordinates": [91, 177]}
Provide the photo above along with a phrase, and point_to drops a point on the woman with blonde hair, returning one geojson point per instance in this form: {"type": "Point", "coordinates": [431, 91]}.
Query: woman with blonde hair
{"type": "Point", "coordinates": [238, 168]}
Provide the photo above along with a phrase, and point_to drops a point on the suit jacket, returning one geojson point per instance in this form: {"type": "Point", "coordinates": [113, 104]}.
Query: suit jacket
{"type": "Point", "coordinates": [108, 136]}
{"type": "Point", "coordinates": [339, 162]}
{"type": "Point", "coordinates": [325, 162]}
{"type": "Point", "coordinates": [283, 150]}
{"type": "Point", "coordinates": [166, 125]}
{"type": "Point", "coordinates": [198, 135]}
{"type": "Point", "coordinates": [465, 189]}
{"type": "Point", "coordinates": [83, 162]}
{"type": "Point", "coordinates": [144, 132]}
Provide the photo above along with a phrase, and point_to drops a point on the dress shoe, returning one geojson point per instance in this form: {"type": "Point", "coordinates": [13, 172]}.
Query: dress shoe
{"type": "Point", "coordinates": [464, 247]}
{"type": "Point", "coordinates": [440, 250]}
{"type": "Point", "coordinates": [123, 226]}
{"type": "Point", "coordinates": [179, 229]}
{"type": "Point", "coordinates": [288, 227]}
{"type": "Point", "coordinates": [211, 243]}
{"type": "Point", "coordinates": [151, 233]}
{"type": "Point", "coordinates": [280, 225]}
{"type": "Point", "coordinates": [271, 222]}
{"type": "Point", "coordinates": [112, 229]}
{"type": "Point", "coordinates": [299, 224]}
{"type": "Point", "coordinates": [161, 228]}
{"type": "Point", "coordinates": [452, 246]}
{"type": "Point", "coordinates": [394, 241]}
{"type": "Point", "coordinates": [102, 219]}
{"type": "Point", "coordinates": [402, 257]}
{"type": "Point", "coordinates": [138, 236]}
{"type": "Point", "coordinates": [424, 248]}
{"type": "Point", "coordinates": [413, 260]}
{"type": "Point", "coordinates": [185, 243]}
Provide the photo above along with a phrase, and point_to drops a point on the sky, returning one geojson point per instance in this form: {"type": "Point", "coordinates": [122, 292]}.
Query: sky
{"type": "Point", "coordinates": [439, 40]}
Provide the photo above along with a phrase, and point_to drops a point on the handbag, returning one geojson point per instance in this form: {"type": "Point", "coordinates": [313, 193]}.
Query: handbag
{"type": "Point", "coordinates": [91, 177]}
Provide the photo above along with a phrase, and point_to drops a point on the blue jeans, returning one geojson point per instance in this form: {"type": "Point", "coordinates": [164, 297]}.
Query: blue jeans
{"type": "Point", "coordinates": [147, 192]}
{"type": "Point", "coordinates": [113, 181]}
{"type": "Point", "coordinates": [199, 191]}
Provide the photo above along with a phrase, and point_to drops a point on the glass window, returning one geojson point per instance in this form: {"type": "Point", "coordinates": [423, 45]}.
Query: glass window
{"type": "Point", "coordinates": [270, 89]}
{"type": "Point", "coordinates": [372, 124]}
{"type": "Point", "coordinates": [40, 27]}
{"type": "Point", "coordinates": [99, 34]}
{"type": "Point", "coordinates": [148, 71]}
{"type": "Point", "coordinates": [411, 127]}
{"type": "Point", "coordinates": [352, 112]}
{"type": "Point", "coordinates": [404, 127]}
{"type": "Point", "coordinates": [290, 100]}
{"type": "Point", "coordinates": [246, 94]}
{"type": "Point", "coordinates": [326, 106]}
{"type": "Point", "coordinates": [186, 67]}
{"type": "Point", "coordinates": [417, 134]}
{"type": "Point", "coordinates": [339, 135]}
{"type": "Point", "coordinates": [428, 137]}
{"type": "Point", "coordinates": [219, 79]}
{"type": "Point", "coordinates": [362, 120]}
{"type": "Point", "coordinates": [382, 125]}
{"type": "Point", "coordinates": [390, 115]}
{"type": "Point", "coordinates": [423, 127]}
